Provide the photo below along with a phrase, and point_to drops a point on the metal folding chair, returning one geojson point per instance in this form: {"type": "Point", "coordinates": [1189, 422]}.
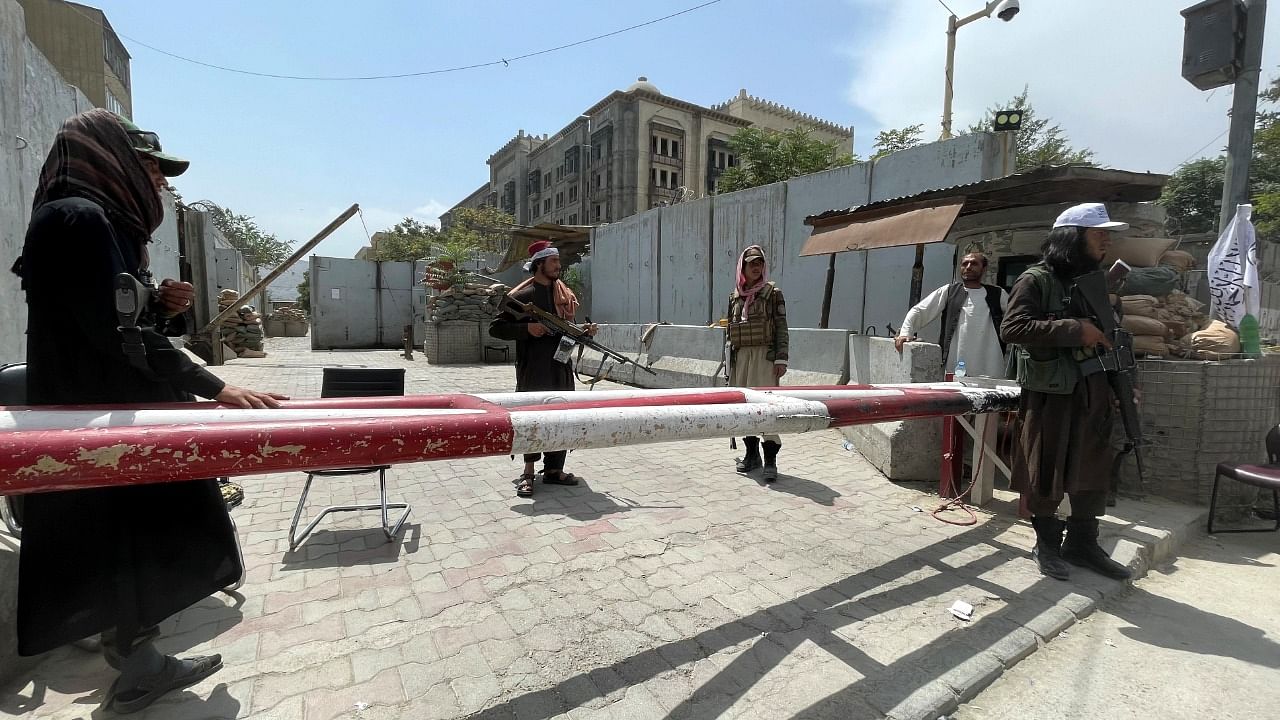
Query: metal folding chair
{"type": "Point", "coordinates": [354, 382]}
{"type": "Point", "coordinates": [1265, 476]}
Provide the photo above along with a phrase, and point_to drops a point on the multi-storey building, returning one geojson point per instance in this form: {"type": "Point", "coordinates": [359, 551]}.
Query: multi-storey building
{"type": "Point", "coordinates": [635, 149]}
{"type": "Point", "coordinates": [79, 42]}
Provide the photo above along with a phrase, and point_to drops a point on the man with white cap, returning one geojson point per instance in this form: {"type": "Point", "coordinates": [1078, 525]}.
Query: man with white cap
{"type": "Point", "coordinates": [1065, 419]}
{"type": "Point", "coordinates": [536, 365]}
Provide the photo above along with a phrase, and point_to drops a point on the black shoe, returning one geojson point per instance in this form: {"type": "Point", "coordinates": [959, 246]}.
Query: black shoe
{"type": "Point", "coordinates": [751, 460]}
{"type": "Point", "coordinates": [1048, 547]}
{"type": "Point", "coordinates": [1081, 548]}
{"type": "Point", "coordinates": [770, 460]}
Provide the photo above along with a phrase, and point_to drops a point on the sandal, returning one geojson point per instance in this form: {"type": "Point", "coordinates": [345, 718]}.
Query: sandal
{"type": "Point", "coordinates": [171, 677]}
{"type": "Point", "coordinates": [524, 485]}
{"type": "Point", "coordinates": [559, 477]}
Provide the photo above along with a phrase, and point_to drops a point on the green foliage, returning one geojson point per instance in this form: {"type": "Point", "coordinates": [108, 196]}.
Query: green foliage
{"type": "Point", "coordinates": [893, 140]}
{"type": "Point", "coordinates": [1039, 141]}
{"type": "Point", "coordinates": [260, 248]}
{"type": "Point", "coordinates": [485, 228]}
{"type": "Point", "coordinates": [766, 156]}
{"type": "Point", "coordinates": [573, 278]}
{"type": "Point", "coordinates": [407, 240]}
{"type": "Point", "coordinates": [1193, 195]}
{"type": "Point", "coordinates": [304, 292]}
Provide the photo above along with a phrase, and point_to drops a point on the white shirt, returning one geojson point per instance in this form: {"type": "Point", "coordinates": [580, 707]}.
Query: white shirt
{"type": "Point", "coordinates": [975, 340]}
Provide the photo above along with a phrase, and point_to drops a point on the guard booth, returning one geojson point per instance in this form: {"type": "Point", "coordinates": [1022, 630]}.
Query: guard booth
{"type": "Point", "coordinates": [1006, 219]}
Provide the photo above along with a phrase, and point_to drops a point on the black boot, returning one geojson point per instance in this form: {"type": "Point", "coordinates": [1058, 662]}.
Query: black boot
{"type": "Point", "coordinates": [1081, 548]}
{"type": "Point", "coordinates": [771, 449]}
{"type": "Point", "coordinates": [1048, 550]}
{"type": "Point", "coordinates": [751, 460]}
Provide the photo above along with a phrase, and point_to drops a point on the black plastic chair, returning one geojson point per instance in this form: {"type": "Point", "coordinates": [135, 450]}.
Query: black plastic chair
{"type": "Point", "coordinates": [354, 382]}
{"type": "Point", "coordinates": [1265, 476]}
{"type": "Point", "coordinates": [13, 391]}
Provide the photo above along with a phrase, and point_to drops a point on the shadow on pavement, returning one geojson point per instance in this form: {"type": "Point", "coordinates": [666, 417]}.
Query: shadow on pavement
{"type": "Point", "coordinates": [578, 502]}
{"type": "Point", "coordinates": [776, 632]}
{"type": "Point", "coordinates": [348, 548]}
{"type": "Point", "coordinates": [801, 487]}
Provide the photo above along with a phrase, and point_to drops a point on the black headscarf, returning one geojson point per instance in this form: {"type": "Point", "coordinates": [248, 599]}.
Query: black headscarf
{"type": "Point", "coordinates": [93, 158]}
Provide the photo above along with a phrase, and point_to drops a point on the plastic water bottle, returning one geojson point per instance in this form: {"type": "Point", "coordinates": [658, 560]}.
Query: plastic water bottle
{"type": "Point", "coordinates": [1250, 339]}
{"type": "Point", "coordinates": [959, 370]}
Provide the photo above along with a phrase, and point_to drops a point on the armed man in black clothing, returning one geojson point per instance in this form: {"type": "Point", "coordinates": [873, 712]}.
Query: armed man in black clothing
{"type": "Point", "coordinates": [536, 365]}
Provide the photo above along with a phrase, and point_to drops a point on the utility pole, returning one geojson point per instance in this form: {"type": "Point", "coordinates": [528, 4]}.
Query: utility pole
{"type": "Point", "coordinates": [1244, 107]}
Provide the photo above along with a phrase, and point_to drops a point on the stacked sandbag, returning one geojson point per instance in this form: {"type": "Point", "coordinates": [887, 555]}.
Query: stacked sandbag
{"type": "Point", "coordinates": [242, 330]}
{"type": "Point", "coordinates": [466, 302]}
{"type": "Point", "coordinates": [1162, 325]}
{"type": "Point", "coordinates": [1217, 341]}
{"type": "Point", "coordinates": [289, 314]}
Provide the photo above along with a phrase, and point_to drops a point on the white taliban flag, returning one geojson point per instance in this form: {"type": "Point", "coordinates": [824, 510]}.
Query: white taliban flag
{"type": "Point", "coordinates": [1234, 289]}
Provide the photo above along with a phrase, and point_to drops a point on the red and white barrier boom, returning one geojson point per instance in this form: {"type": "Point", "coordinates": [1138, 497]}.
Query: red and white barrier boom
{"type": "Point", "coordinates": [46, 448]}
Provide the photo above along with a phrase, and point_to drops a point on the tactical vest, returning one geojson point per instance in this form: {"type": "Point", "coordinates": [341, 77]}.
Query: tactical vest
{"type": "Point", "coordinates": [1052, 370]}
{"type": "Point", "coordinates": [757, 327]}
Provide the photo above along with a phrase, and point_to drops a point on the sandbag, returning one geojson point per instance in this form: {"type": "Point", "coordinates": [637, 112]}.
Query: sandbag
{"type": "Point", "coordinates": [1138, 252]}
{"type": "Point", "coordinates": [1215, 341]}
{"type": "Point", "coordinates": [1139, 305]}
{"type": "Point", "coordinates": [1155, 281]}
{"type": "Point", "coordinates": [1150, 345]}
{"type": "Point", "coordinates": [1139, 325]}
{"type": "Point", "coordinates": [1180, 260]}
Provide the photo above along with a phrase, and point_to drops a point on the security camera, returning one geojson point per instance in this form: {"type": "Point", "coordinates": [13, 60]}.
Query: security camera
{"type": "Point", "coordinates": [1007, 9]}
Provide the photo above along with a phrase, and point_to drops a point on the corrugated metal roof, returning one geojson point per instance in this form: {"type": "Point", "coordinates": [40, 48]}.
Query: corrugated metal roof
{"type": "Point", "coordinates": [1042, 186]}
{"type": "Point", "coordinates": [571, 240]}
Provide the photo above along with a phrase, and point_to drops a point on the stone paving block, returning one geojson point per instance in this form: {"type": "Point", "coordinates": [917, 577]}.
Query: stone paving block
{"type": "Point", "coordinates": [384, 689]}
{"type": "Point", "coordinates": [637, 581]}
{"type": "Point", "coordinates": [273, 688]}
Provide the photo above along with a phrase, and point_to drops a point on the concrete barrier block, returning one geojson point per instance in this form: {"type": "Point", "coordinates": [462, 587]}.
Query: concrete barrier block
{"type": "Point", "coordinates": [818, 357]}
{"type": "Point", "coordinates": [906, 450]}
{"type": "Point", "coordinates": [683, 356]}
{"type": "Point", "coordinates": [625, 339]}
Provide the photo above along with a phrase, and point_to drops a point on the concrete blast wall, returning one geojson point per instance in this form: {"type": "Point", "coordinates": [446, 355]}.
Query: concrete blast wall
{"type": "Point", "coordinates": [676, 264]}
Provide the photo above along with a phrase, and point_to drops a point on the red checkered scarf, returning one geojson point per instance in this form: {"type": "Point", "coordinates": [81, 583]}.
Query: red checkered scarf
{"type": "Point", "coordinates": [92, 158]}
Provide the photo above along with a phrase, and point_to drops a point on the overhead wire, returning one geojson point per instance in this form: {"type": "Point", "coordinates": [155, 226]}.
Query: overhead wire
{"type": "Point", "coordinates": [503, 61]}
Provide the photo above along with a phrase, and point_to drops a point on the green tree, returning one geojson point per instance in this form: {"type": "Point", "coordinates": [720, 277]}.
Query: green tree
{"type": "Point", "coordinates": [1193, 196]}
{"type": "Point", "coordinates": [304, 292]}
{"type": "Point", "coordinates": [1040, 141]}
{"type": "Point", "coordinates": [485, 228]}
{"type": "Point", "coordinates": [767, 156]}
{"type": "Point", "coordinates": [893, 140]}
{"type": "Point", "coordinates": [261, 249]}
{"type": "Point", "coordinates": [408, 240]}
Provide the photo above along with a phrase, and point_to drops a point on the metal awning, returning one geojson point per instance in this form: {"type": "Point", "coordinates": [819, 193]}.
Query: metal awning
{"type": "Point", "coordinates": [571, 240]}
{"type": "Point", "coordinates": [885, 223]}
{"type": "Point", "coordinates": [915, 224]}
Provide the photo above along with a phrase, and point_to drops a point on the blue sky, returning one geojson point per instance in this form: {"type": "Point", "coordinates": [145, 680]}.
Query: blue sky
{"type": "Point", "coordinates": [295, 153]}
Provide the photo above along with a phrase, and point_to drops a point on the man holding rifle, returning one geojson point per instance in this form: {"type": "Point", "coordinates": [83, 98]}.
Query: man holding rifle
{"type": "Point", "coordinates": [1073, 366]}
{"type": "Point", "coordinates": [537, 365]}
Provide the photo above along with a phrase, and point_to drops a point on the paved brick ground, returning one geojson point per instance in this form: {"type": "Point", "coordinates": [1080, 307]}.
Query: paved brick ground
{"type": "Point", "coordinates": [665, 586]}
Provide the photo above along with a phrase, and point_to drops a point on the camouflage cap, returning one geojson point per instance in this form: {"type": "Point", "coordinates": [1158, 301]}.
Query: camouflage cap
{"type": "Point", "coordinates": [148, 143]}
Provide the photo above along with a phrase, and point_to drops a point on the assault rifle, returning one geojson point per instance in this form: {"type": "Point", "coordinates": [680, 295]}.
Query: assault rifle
{"type": "Point", "coordinates": [563, 328]}
{"type": "Point", "coordinates": [1117, 362]}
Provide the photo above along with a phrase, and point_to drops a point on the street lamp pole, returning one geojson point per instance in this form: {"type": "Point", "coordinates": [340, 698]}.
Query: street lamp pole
{"type": "Point", "coordinates": [954, 24]}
